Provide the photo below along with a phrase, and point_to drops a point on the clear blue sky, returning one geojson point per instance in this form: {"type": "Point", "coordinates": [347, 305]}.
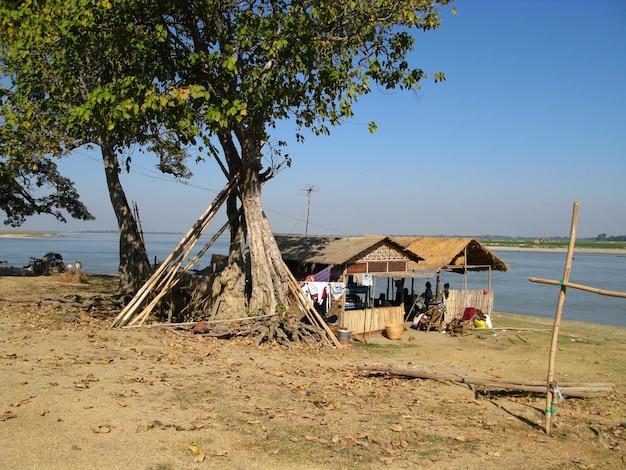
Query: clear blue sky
{"type": "Point", "coordinates": [532, 117]}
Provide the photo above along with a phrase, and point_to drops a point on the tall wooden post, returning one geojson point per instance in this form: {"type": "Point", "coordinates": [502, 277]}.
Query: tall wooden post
{"type": "Point", "coordinates": [552, 395]}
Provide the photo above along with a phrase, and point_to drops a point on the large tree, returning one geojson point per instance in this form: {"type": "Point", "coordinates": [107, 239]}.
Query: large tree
{"type": "Point", "coordinates": [240, 66]}
{"type": "Point", "coordinates": [88, 72]}
{"type": "Point", "coordinates": [250, 64]}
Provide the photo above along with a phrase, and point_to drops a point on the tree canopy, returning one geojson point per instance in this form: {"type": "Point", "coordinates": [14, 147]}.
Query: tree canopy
{"type": "Point", "coordinates": [163, 74]}
{"type": "Point", "coordinates": [82, 74]}
{"type": "Point", "coordinates": [249, 64]}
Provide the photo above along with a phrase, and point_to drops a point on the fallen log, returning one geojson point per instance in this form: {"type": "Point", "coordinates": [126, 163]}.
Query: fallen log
{"type": "Point", "coordinates": [570, 389]}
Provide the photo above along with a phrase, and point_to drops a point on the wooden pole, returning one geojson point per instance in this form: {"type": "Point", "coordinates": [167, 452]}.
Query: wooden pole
{"type": "Point", "coordinates": [572, 389]}
{"type": "Point", "coordinates": [552, 395]}
{"type": "Point", "coordinates": [578, 286]}
{"type": "Point", "coordinates": [309, 309]}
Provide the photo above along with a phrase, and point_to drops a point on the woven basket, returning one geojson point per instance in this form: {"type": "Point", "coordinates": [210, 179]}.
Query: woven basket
{"type": "Point", "coordinates": [394, 331]}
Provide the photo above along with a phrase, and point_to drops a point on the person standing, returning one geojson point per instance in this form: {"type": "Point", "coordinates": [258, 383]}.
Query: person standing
{"type": "Point", "coordinates": [427, 295]}
{"type": "Point", "coordinates": [445, 293]}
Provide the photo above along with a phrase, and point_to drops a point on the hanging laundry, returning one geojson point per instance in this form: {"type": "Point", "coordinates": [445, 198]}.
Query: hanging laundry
{"type": "Point", "coordinates": [317, 290]}
{"type": "Point", "coordinates": [336, 290]}
{"type": "Point", "coordinates": [323, 275]}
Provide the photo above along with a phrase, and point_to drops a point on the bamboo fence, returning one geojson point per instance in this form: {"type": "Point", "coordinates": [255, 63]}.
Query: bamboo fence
{"type": "Point", "coordinates": [370, 320]}
{"type": "Point", "coordinates": [459, 300]}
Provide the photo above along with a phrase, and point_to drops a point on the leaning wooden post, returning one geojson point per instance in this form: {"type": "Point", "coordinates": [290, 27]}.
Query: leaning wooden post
{"type": "Point", "coordinates": [552, 395]}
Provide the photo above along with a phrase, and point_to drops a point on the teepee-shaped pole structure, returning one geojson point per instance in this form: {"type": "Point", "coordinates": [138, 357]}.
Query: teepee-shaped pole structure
{"type": "Point", "coordinates": [165, 273]}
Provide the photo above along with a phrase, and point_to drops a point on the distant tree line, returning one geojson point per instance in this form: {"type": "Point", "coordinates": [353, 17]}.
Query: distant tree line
{"type": "Point", "coordinates": [613, 238]}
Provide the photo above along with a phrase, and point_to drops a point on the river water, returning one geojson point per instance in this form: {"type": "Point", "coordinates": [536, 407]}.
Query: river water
{"type": "Point", "coordinates": [513, 293]}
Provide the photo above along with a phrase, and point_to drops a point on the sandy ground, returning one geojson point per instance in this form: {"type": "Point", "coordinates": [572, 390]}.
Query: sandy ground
{"type": "Point", "coordinates": [75, 394]}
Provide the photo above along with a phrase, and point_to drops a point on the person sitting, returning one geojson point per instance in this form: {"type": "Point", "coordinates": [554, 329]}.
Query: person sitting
{"type": "Point", "coordinates": [382, 301]}
{"type": "Point", "coordinates": [409, 300]}
{"type": "Point", "coordinates": [420, 321]}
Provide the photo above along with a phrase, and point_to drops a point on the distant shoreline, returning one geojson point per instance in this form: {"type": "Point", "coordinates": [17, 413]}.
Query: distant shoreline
{"type": "Point", "coordinates": [29, 235]}
{"type": "Point", "coordinates": [617, 251]}
{"type": "Point", "coordinates": [8, 234]}
{"type": "Point", "coordinates": [608, 251]}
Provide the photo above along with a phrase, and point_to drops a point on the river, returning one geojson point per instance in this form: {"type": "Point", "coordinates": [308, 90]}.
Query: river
{"type": "Point", "coordinates": [513, 293]}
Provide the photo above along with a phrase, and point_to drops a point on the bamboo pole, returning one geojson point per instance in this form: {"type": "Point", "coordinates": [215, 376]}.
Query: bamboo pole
{"type": "Point", "coordinates": [552, 395]}
{"type": "Point", "coordinates": [310, 311]}
{"type": "Point", "coordinates": [144, 291]}
{"type": "Point", "coordinates": [578, 286]}
{"type": "Point", "coordinates": [138, 220]}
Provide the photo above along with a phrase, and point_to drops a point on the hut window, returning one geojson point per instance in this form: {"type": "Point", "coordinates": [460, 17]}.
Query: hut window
{"type": "Point", "coordinates": [357, 268]}
{"type": "Point", "coordinates": [397, 266]}
{"type": "Point", "coordinates": [378, 267]}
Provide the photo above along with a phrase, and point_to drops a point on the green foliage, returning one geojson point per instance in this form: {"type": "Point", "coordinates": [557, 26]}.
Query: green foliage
{"type": "Point", "coordinates": [267, 61]}
{"type": "Point", "coordinates": [85, 72]}
{"type": "Point", "coordinates": [611, 238]}
{"type": "Point", "coordinates": [164, 75]}
{"type": "Point", "coordinates": [21, 193]}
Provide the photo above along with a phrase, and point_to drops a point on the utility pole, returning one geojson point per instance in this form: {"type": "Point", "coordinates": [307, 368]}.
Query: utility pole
{"type": "Point", "coordinates": [309, 189]}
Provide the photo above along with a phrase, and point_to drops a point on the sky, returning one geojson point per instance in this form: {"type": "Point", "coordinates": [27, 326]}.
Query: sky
{"type": "Point", "coordinates": [531, 118]}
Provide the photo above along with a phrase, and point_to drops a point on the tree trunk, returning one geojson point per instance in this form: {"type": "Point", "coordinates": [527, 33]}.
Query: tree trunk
{"type": "Point", "coordinates": [268, 278]}
{"type": "Point", "coordinates": [134, 265]}
{"type": "Point", "coordinates": [256, 280]}
{"type": "Point", "coordinates": [230, 289]}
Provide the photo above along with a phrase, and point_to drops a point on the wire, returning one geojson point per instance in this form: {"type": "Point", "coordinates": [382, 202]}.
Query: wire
{"type": "Point", "coordinates": [155, 175]}
{"type": "Point", "coordinates": [159, 176]}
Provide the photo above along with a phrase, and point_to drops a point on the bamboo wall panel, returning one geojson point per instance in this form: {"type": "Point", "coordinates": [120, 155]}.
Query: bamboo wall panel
{"type": "Point", "coordinates": [372, 319]}
{"type": "Point", "coordinates": [459, 300]}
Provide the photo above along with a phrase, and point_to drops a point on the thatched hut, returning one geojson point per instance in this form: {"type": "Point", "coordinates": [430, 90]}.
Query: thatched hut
{"type": "Point", "coordinates": [452, 254]}
{"type": "Point", "coordinates": [459, 255]}
{"type": "Point", "coordinates": [355, 263]}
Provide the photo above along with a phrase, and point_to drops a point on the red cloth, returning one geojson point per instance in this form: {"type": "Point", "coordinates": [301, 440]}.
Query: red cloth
{"type": "Point", "coordinates": [468, 313]}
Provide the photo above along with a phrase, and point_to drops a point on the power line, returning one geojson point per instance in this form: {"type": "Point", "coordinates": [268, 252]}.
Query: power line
{"type": "Point", "coordinates": [155, 175]}
{"type": "Point", "coordinates": [309, 189]}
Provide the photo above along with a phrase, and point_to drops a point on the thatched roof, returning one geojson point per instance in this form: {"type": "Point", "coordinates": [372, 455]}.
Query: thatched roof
{"type": "Point", "coordinates": [441, 253]}
{"type": "Point", "coordinates": [334, 250]}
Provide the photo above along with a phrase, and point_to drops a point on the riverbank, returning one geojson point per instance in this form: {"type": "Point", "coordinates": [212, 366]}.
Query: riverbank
{"type": "Point", "coordinates": [78, 394]}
